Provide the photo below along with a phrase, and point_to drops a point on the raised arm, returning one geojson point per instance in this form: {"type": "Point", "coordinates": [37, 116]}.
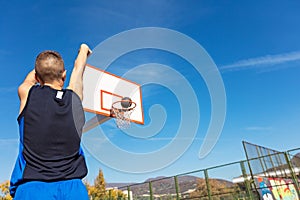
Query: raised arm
{"type": "Point", "coordinates": [77, 73]}
{"type": "Point", "coordinates": [24, 88]}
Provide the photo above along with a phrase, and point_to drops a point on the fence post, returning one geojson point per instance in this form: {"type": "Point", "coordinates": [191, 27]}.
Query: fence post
{"type": "Point", "coordinates": [294, 177]}
{"type": "Point", "coordinates": [150, 190]}
{"type": "Point", "coordinates": [109, 194]}
{"type": "Point", "coordinates": [246, 181]}
{"type": "Point", "coordinates": [260, 158]}
{"type": "Point", "coordinates": [176, 187]}
{"type": "Point", "coordinates": [253, 185]}
{"type": "Point", "coordinates": [272, 162]}
{"type": "Point", "coordinates": [128, 192]}
{"type": "Point", "coordinates": [207, 184]}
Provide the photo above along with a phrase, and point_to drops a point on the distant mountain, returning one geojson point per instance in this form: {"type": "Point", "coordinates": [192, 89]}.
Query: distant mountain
{"type": "Point", "coordinates": [166, 185]}
{"type": "Point", "coordinates": [118, 185]}
{"type": "Point", "coordinates": [296, 160]}
{"type": "Point", "coordinates": [155, 179]}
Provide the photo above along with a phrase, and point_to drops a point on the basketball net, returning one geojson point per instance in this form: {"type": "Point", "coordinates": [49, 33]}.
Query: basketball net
{"type": "Point", "coordinates": [122, 118]}
{"type": "Point", "coordinates": [122, 115]}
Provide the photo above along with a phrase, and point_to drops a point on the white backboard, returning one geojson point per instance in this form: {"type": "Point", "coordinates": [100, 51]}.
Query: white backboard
{"type": "Point", "coordinates": [101, 89]}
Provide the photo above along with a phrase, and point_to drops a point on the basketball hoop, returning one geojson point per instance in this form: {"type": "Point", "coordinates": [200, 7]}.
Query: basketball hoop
{"type": "Point", "coordinates": [122, 111]}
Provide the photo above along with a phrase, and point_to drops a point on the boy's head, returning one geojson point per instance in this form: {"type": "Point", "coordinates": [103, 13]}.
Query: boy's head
{"type": "Point", "coordinates": [49, 67]}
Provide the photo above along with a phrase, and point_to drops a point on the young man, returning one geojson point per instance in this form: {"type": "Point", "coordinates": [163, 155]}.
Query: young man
{"type": "Point", "coordinates": [51, 163]}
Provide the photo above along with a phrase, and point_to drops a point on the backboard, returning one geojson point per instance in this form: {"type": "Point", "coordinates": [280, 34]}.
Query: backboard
{"type": "Point", "coordinates": [101, 89]}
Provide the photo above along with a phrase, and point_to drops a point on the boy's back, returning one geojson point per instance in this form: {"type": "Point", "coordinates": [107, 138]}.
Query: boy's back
{"type": "Point", "coordinates": [51, 164]}
{"type": "Point", "coordinates": [52, 122]}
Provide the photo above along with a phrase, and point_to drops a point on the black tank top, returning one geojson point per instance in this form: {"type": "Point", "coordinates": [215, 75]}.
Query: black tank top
{"type": "Point", "coordinates": [52, 127]}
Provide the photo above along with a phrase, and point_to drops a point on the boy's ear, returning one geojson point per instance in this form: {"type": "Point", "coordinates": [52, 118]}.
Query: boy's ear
{"type": "Point", "coordinates": [64, 75]}
{"type": "Point", "coordinates": [37, 78]}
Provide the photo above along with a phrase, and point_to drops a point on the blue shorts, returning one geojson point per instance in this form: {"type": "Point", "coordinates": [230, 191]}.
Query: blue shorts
{"type": "Point", "coordinates": [66, 190]}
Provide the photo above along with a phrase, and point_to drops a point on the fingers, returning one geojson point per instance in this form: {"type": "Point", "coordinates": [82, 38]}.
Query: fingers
{"type": "Point", "coordinates": [85, 48]}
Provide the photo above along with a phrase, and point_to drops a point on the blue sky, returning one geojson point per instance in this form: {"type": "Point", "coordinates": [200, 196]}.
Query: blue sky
{"type": "Point", "coordinates": [254, 44]}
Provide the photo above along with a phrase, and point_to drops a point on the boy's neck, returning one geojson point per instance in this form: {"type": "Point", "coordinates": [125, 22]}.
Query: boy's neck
{"type": "Point", "coordinates": [54, 85]}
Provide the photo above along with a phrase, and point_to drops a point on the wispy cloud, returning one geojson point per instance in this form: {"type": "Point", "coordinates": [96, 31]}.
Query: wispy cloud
{"type": "Point", "coordinates": [263, 62]}
{"type": "Point", "coordinates": [169, 138]}
{"type": "Point", "coordinates": [8, 89]}
{"type": "Point", "coordinates": [8, 141]}
{"type": "Point", "coordinates": [152, 73]}
{"type": "Point", "coordinates": [258, 128]}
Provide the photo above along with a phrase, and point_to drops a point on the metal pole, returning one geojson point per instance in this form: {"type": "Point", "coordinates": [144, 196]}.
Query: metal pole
{"type": "Point", "coordinates": [272, 163]}
{"type": "Point", "coordinates": [150, 190]}
{"type": "Point", "coordinates": [252, 182]}
{"type": "Point", "coordinates": [260, 157]}
{"type": "Point", "coordinates": [294, 177]}
{"type": "Point", "coordinates": [128, 191]}
{"type": "Point", "coordinates": [207, 184]}
{"type": "Point", "coordinates": [176, 187]}
{"type": "Point", "coordinates": [246, 181]}
{"type": "Point", "coordinates": [109, 194]}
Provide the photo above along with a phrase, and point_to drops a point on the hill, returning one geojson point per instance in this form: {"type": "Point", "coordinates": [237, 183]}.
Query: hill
{"type": "Point", "coordinates": [166, 185]}
{"type": "Point", "coordinates": [296, 160]}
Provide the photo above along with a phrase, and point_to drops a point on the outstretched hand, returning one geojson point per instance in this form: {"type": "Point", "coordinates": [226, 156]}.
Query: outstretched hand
{"type": "Point", "coordinates": [76, 80]}
{"type": "Point", "coordinates": [85, 48]}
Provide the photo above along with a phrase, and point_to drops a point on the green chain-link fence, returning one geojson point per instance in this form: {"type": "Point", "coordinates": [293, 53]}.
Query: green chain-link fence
{"type": "Point", "coordinates": [272, 175]}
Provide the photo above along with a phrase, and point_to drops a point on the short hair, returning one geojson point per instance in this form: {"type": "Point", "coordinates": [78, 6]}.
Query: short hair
{"type": "Point", "coordinates": [49, 66]}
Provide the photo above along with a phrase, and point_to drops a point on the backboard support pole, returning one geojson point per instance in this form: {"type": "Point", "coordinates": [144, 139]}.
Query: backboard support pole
{"type": "Point", "coordinates": [95, 121]}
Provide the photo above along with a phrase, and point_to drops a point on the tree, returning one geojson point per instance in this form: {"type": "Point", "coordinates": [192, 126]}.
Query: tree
{"type": "Point", "coordinates": [98, 190]}
{"type": "Point", "coordinates": [4, 187]}
{"type": "Point", "coordinates": [115, 194]}
{"type": "Point", "coordinates": [217, 187]}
